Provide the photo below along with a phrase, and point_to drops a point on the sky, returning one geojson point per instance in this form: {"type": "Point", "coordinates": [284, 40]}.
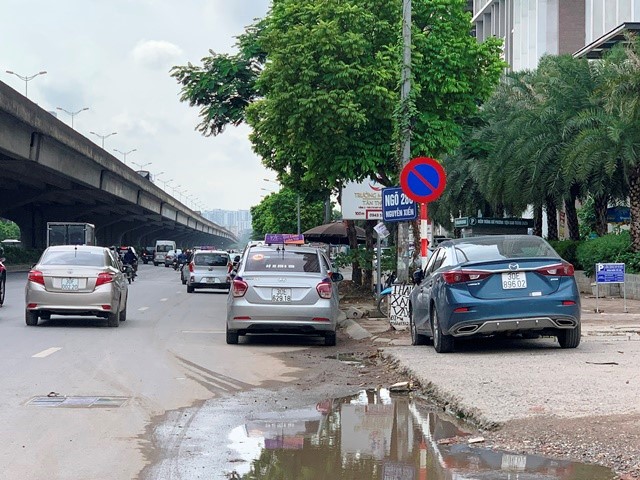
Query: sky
{"type": "Point", "coordinates": [114, 57]}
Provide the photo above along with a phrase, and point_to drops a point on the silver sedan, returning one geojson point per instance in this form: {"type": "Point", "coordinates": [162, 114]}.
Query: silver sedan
{"type": "Point", "coordinates": [76, 280]}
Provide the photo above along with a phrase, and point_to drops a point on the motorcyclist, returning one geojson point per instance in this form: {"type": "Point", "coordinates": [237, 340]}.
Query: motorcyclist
{"type": "Point", "coordinates": [130, 258]}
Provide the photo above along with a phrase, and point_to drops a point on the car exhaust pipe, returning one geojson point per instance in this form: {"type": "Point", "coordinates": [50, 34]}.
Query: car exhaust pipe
{"type": "Point", "coordinates": [466, 330]}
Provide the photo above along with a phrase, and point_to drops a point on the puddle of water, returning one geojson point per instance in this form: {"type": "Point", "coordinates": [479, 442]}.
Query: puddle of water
{"type": "Point", "coordinates": [377, 435]}
{"type": "Point", "coordinates": [77, 402]}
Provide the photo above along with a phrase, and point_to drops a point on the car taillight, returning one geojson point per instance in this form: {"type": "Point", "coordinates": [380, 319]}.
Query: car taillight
{"type": "Point", "coordinates": [240, 287]}
{"type": "Point", "coordinates": [324, 289]}
{"type": "Point", "coordinates": [36, 276]}
{"type": "Point", "coordinates": [191, 267]}
{"type": "Point", "coordinates": [461, 276]}
{"type": "Point", "coordinates": [104, 277]}
{"type": "Point", "coordinates": [558, 270]}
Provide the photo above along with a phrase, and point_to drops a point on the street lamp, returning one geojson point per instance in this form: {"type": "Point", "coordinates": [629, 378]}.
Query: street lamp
{"type": "Point", "coordinates": [103, 136]}
{"type": "Point", "coordinates": [124, 154]}
{"type": "Point", "coordinates": [142, 165]}
{"type": "Point", "coordinates": [73, 114]}
{"type": "Point", "coordinates": [26, 79]}
{"type": "Point", "coordinates": [165, 183]}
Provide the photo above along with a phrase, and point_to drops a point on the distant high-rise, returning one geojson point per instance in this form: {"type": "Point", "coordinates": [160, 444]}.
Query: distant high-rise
{"type": "Point", "coordinates": [237, 221]}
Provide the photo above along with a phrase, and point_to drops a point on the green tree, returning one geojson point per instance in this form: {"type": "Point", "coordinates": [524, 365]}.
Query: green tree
{"type": "Point", "coordinates": [9, 229]}
{"type": "Point", "coordinates": [277, 213]}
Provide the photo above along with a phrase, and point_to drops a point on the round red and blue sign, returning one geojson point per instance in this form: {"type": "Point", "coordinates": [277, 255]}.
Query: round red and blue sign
{"type": "Point", "coordinates": [423, 179]}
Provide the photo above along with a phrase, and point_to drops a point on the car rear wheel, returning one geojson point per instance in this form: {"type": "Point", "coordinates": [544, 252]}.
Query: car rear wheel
{"type": "Point", "coordinates": [190, 289]}
{"type": "Point", "coordinates": [123, 314]}
{"type": "Point", "coordinates": [3, 285]}
{"type": "Point", "coordinates": [113, 319]}
{"type": "Point", "coordinates": [441, 343]}
{"type": "Point", "coordinates": [184, 282]}
{"type": "Point", "coordinates": [569, 338]}
{"type": "Point", "coordinates": [330, 339]}
{"type": "Point", "coordinates": [416, 338]}
{"type": "Point", "coordinates": [155, 264]}
{"type": "Point", "coordinates": [232, 337]}
{"type": "Point", "coordinates": [31, 318]}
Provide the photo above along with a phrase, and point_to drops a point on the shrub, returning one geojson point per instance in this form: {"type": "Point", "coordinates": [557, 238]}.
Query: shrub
{"type": "Point", "coordinates": [612, 248]}
{"type": "Point", "coordinates": [19, 255]}
{"type": "Point", "coordinates": [568, 249]}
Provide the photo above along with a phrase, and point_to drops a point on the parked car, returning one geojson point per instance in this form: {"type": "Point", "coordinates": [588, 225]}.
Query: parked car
{"type": "Point", "coordinates": [77, 280]}
{"type": "Point", "coordinates": [494, 285]}
{"type": "Point", "coordinates": [208, 269]}
{"type": "Point", "coordinates": [283, 290]}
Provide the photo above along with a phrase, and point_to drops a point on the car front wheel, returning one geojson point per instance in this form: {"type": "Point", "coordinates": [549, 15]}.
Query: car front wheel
{"type": "Point", "coordinates": [3, 286]}
{"type": "Point", "coordinates": [569, 338]}
{"type": "Point", "coordinates": [441, 343]}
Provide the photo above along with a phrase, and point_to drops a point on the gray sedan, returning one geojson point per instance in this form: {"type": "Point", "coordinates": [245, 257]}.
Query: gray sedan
{"type": "Point", "coordinates": [76, 280]}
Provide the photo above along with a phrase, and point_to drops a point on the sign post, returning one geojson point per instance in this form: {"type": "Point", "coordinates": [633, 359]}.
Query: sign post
{"type": "Point", "coordinates": [423, 180]}
{"type": "Point", "coordinates": [610, 273]}
{"type": "Point", "coordinates": [382, 232]}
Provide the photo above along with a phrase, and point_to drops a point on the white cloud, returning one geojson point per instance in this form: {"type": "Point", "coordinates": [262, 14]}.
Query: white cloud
{"type": "Point", "coordinates": [156, 53]}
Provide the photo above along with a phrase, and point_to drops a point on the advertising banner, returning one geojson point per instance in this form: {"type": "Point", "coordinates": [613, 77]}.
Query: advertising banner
{"type": "Point", "coordinates": [362, 201]}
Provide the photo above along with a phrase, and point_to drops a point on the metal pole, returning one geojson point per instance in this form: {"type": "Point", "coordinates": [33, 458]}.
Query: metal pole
{"type": "Point", "coordinates": [403, 228]}
{"type": "Point", "coordinates": [298, 209]}
{"type": "Point", "coordinates": [378, 268]}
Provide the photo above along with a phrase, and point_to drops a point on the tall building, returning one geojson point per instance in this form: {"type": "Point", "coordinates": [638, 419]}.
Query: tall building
{"type": "Point", "coordinates": [531, 28]}
{"type": "Point", "coordinates": [237, 221]}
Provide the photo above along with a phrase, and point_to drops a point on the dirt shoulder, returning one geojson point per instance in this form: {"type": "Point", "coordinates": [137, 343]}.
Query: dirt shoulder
{"type": "Point", "coordinates": [530, 396]}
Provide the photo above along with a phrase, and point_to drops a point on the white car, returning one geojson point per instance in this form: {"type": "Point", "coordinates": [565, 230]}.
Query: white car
{"type": "Point", "coordinates": [208, 269]}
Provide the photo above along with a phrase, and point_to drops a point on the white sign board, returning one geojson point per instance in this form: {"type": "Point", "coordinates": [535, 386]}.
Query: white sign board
{"type": "Point", "coordinates": [362, 201]}
{"type": "Point", "coordinates": [399, 306]}
{"type": "Point", "coordinates": [381, 230]}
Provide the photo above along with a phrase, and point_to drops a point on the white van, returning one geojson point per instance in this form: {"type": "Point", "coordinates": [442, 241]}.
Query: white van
{"type": "Point", "coordinates": [160, 252]}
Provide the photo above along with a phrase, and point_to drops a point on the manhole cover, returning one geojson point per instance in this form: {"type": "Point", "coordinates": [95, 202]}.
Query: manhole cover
{"type": "Point", "coordinates": [78, 402]}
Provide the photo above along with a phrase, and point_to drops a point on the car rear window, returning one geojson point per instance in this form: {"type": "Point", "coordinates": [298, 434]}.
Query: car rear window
{"type": "Point", "coordinates": [90, 259]}
{"type": "Point", "coordinates": [283, 261]}
{"type": "Point", "coordinates": [500, 248]}
{"type": "Point", "coordinates": [211, 259]}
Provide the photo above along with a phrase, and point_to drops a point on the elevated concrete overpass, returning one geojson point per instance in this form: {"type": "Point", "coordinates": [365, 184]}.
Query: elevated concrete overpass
{"type": "Point", "coordinates": [51, 173]}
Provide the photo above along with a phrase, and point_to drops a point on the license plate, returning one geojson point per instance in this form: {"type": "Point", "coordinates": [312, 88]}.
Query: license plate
{"type": "Point", "coordinates": [514, 280]}
{"type": "Point", "coordinates": [212, 280]}
{"type": "Point", "coordinates": [69, 284]}
{"type": "Point", "coordinates": [280, 295]}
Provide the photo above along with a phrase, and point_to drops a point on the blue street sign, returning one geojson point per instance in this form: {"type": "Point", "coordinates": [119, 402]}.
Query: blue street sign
{"type": "Point", "coordinates": [396, 206]}
{"type": "Point", "coordinates": [609, 272]}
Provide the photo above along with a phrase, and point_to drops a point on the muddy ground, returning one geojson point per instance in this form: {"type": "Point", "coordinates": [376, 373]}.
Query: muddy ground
{"type": "Point", "coordinates": [612, 441]}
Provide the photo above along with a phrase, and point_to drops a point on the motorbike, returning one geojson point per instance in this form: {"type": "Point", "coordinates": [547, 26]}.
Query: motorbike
{"type": "Point", "coordinates": [178, 264]}
{"type": "Point", "coordinates": [130, 272]}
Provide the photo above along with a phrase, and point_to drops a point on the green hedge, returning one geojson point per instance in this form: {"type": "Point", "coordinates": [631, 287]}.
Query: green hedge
{"type": "Point", "coordinates": [21, 256]}
{"type": "Point", "coordinates": [612, 248]}
{"type": "Point", "coordinates": [568, 250]}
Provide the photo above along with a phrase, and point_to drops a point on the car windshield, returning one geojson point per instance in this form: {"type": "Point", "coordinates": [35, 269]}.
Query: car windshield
{"type": "Point", "coordinates": [500, 248]}
{"type": "Point", "coordinates": [90, 259]}
{"type": "Point", "coordinates": [283, 261]}
{"type": "Point", "coordinates": [163, 248]}
{"type": "Point", "coordinates": [211, 259]}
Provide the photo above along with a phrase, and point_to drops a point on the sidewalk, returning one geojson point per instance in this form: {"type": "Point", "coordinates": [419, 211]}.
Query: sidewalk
{"type": "Point", "coordinates": [361, 320]}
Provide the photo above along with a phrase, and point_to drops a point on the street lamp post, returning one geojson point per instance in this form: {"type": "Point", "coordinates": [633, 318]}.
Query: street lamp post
{"type": "Point", "coordinates": [26, 79]}
{"type": "Point", "coordinates": [142, 165]}
{"type": "Point", "coordinates": [103, 136]}
{"type": "Point", "coordinates": [124, 154]}
{"type": "Point", "coordinates": [73, 114]}
{"type": "Point", "coordinates": [165, 183]}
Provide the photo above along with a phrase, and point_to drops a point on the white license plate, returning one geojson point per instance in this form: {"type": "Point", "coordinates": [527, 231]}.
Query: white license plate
{"type": "Point", "coordinates": [514, 280]}
{"type": "Point", "coordinates": [70, 284]}
{"type": "Point", "coordinates": [212, 280]}
{"type": "Point", "coordinates": [280, 295]}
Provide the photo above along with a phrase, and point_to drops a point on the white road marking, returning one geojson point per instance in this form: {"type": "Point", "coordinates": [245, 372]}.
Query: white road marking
{"type": "Point", "coordinates": [142, 309]}
{"type": "Point", "coordinates": [164, 299]}
{"type": "Point", "coordinates": [47, 352]}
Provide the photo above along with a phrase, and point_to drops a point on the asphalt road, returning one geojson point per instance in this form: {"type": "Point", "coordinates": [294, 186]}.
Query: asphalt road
{"type": "Point", "coordinates": [169, 354]}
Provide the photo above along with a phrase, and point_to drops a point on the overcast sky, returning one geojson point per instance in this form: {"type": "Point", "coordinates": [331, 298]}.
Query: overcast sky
{"type": "Point", "coordinates": [114, 57]}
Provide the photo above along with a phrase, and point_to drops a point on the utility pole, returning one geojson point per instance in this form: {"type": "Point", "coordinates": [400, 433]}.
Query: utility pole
{"type": "Point", "coordinates": [405, 94]}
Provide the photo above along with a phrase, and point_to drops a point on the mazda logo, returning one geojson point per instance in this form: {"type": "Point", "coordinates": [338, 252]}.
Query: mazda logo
{"type": "Point", "coordinates": [513, 266]}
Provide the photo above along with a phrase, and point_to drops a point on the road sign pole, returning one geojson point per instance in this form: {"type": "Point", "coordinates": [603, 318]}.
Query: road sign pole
{"type": "Point", "coordinates": [424, 235]}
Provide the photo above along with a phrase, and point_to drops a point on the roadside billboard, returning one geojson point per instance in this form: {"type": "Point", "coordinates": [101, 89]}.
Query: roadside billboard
{"type": "Point", "coordinates": [362, 201]}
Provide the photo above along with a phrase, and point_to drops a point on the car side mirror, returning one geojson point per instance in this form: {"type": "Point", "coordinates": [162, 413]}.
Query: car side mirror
{"type": "Point", "coordinates": [336, 277]}
{"type": "Point", "coordinates": [418, 276]}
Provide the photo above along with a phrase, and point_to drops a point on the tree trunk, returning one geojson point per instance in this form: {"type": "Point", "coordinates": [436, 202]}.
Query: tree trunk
{"type": "Point", "coordinates": [356, 274]}
{"type": "Point", "coordinates": [552, 220]}
{"type": "Point", "coordinates": [537, 220]}
{"type": "Point", "coordinates": [371, 240]}
{"type": "Point", "coordinates": [572, 214]}
{"type": "Point", "coordinates": [634, 201]}
{"type": "Point", "coordinates": [498, 212]}
{"type": "Point", "coordinates": [600, 204]}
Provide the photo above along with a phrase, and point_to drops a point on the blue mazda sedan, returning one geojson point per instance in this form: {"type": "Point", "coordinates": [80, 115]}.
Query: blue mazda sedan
{"type": "Point", "coordinates": [512, 285]}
